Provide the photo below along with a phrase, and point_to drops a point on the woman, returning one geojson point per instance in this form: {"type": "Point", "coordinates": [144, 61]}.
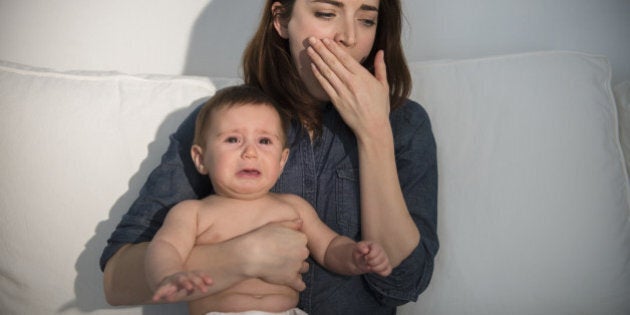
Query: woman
{"type": "Point", "coordinates": [361, 154]}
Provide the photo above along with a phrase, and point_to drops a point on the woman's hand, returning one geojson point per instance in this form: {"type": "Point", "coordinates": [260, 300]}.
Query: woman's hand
{"type": "Point", "coordinates": [277, 253]}
{"type": "Point", "coordinates": [361, 98]}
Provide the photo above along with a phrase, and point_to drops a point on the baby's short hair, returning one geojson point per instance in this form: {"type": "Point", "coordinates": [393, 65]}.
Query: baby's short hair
{"type": "Point", "coordinates": [235, 96]}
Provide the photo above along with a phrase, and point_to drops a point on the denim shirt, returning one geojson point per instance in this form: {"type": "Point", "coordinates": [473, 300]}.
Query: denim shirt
{"type": "Point", "coordinates": [325, 173]}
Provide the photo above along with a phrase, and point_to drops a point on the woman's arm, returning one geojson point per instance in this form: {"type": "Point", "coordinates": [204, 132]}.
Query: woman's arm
{"type": "Point", "coordinates": [274, 253]}
{"type": "Point", "coordinates": [362, 100]}
{"type": "Point", "coordinates": [125, 281]}
{"type": "Point", "coordinates": [417, 172]}
{"type": "Point", "coordinates": [384, 214]}
{"type": "Point", "coordinates": [398, 169]}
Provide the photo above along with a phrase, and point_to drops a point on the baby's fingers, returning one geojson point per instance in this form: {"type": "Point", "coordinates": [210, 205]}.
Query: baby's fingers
{"type": "Point", "coordinates": [380, 265]}
{"type": "Point", "coordinates": [201, 281]}
{"type": "Point", "coordinates": [363, 247]}
{"type": "Point", "coordinates": [164, 292]}
{"type": "Point", "coordinates": [382, 269]}
{"type": "Point", "coordinates": [186, 283]}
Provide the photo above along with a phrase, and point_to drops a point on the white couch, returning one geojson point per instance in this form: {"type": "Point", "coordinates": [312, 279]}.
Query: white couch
{"type": "Point", "coordinates": [534, 214]}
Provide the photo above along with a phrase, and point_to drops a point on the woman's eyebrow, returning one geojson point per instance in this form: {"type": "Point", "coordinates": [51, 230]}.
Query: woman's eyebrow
{"type": "Point", "coordinates": [340, 4]}
{"type": "Point", "coordinates": [332, 2]}
{"type": "Point", "coordinates": [367, 7]}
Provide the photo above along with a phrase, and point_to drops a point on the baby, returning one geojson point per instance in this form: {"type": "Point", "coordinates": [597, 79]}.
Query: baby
{"type": "Point", "coordinates": [241, 144]}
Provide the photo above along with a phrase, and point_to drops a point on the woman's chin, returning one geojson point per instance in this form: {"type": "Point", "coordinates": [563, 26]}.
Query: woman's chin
{"type": "Point", "coordinates": [320, 95]}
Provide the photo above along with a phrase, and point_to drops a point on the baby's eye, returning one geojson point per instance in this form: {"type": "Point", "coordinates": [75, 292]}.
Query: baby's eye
{"type": "Point", "coordinates": [231, 140]}
{"type": "Point", "coordinates": [265, 141]}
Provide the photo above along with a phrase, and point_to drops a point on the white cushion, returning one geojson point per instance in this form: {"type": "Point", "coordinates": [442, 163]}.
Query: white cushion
{"type": "Point", "coordinates": [533, 201]}
{"type": "Point", "coordinates": [74, 154]}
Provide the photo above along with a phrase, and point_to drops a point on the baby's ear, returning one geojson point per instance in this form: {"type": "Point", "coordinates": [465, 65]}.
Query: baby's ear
{"type": "Point", "coordinates": [284, 157]}
{"type": "Point", "coordinates": [196, 152]}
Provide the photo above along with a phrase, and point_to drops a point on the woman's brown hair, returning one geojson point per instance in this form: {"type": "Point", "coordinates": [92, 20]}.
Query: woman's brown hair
{"type": "Point", "coordinates": [267, 62]}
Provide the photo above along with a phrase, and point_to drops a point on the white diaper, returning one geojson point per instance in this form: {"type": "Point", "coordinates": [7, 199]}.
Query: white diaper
{"type": "Point", "coordinates": [293, 311]}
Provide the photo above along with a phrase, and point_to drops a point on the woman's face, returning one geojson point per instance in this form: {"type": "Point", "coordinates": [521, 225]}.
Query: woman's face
{"type": "Point", "coordinates": [350, 23]}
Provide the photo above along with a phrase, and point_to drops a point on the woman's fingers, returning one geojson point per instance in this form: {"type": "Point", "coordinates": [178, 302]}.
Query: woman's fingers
{"type": "Point", "coordinates": [278, 251]}
{"type": "Point", "coordinates": [362, 98]}
{"type": "Point", "coordinates": [349, 64]}
{"type": "Point", "coordinates": [333, 63]}
{"type": "Point", "coordinates": [380, 69]}
{"type": "Point", "coordinates": [324, 73]}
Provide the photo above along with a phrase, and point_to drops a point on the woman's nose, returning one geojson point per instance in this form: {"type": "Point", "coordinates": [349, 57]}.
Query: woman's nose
{"type": "Point", "coordinates": [346, 35]}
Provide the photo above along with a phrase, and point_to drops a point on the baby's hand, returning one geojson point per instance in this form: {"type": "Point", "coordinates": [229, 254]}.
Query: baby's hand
{"type": "Point", "coordinates": [371, 257]}
{"type": "Point", "coordinates": [177, 286]}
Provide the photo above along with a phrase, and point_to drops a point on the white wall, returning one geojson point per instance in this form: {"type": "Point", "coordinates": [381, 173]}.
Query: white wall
{"type": "Point", "coordinates": [475, 28]}
{"type": "Point", "coordinates": [125, 35]}
{"type": "Point", "coordinates": [207, 36]}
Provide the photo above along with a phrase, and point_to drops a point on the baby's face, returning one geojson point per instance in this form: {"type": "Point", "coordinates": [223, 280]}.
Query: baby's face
{"type": "Point", "coordinates": [245, 152]}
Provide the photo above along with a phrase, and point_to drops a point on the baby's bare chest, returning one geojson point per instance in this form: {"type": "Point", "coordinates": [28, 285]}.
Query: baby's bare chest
{"type": "Point", "coordinates": [217, 225]}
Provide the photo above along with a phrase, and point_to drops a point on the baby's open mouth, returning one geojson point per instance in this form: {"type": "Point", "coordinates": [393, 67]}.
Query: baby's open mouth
{"type": "Point", "coordinates": [249, 172]}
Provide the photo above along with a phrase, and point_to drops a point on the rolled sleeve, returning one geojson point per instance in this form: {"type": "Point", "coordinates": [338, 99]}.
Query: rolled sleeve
{"type": "Point", "coordinates": [406, 282]}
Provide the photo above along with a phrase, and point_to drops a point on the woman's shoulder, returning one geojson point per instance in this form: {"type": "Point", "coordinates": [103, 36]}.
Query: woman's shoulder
{"type": "Point", "coordinates": [410, 115]}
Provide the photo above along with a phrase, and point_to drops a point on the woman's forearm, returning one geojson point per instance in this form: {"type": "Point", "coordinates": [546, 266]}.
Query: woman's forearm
{"type": "Point", "coordinates": [125, 281]}
{"type": "Point", "coordinates": [224, 262]}
{"type": "Point", "coordinates": [124, 278]}
{"type": "Point", "coordinates": [274, 253]}
{"type": "Point", "coordinates": [162, 260]}
{"type": "Point", "coordinates": [384, 215]}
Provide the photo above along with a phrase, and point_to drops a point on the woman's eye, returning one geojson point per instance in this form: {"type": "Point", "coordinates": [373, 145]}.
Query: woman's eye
{"type": "Point", "coordinates": [368, 22]}
{"type": "Point", "coordinates": [325, 15]}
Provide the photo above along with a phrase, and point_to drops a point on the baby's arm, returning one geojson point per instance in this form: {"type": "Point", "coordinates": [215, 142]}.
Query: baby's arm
{"type": "Point", "coordinates": [336, 252]}
{"type": "Point", "coordinates": [167, 254]}
{"type": "Point", "coordinates": [182, 286]}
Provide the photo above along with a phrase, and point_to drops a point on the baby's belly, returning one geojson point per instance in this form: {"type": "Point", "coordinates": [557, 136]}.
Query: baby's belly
{"type": "Point", "coordinates": [252, 294]}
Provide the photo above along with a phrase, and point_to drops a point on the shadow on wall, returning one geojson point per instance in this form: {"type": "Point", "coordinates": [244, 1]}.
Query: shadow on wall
{"type": "Point", "coordinates": [88, 284]}
{"type": "Point", "coordinates": [217, 40]}
{"type": "Point", "coordinates": [219, 36]}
